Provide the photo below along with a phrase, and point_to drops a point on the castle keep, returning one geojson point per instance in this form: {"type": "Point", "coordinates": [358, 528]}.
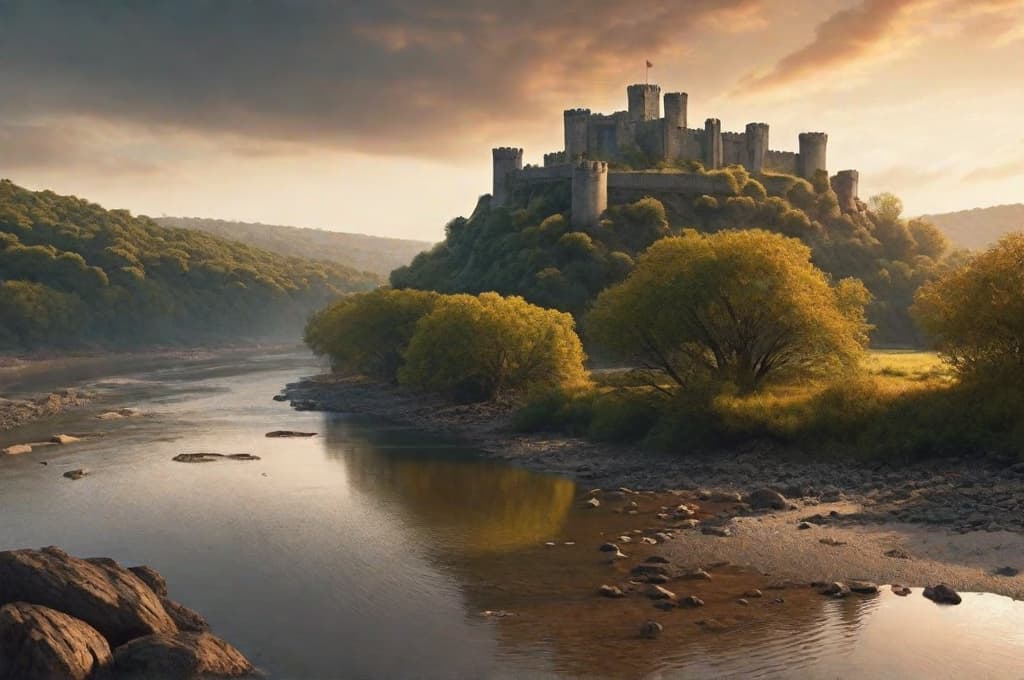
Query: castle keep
{"type": "Point", "coordinates": [593, 140]}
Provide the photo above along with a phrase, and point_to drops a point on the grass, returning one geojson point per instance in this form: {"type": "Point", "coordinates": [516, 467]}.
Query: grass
{"type": "Point", "coordinates": [903, 405]}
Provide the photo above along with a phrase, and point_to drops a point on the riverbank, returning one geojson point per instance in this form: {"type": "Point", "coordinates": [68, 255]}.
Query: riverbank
{"type": "Point", "coordinates": [17, 412]}
{"type": "Point", "coordinates": [958, 520]}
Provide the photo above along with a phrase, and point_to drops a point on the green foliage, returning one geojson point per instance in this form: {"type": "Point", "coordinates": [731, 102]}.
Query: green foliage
{"type": "Point", "coordinates": [77, 275]}
{"type": "Point", "coordinates": [477, 347]}
{"type": "Point", "coordinates": [738, 306]}
{"type": "Point", "coordinates": [976, 313]}
{"type": "Point", "coordinates": [368, 333]}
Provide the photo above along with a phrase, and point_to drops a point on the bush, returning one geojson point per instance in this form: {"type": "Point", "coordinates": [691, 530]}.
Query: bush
{"type": "Point", "coordinates": [976, 313]}
{"type": "Point", "coordinates": [736, 306]}
{"type": "Point", "coordinates": [473, 348]}
{"type": "Point", "coordinates": [369, 333]}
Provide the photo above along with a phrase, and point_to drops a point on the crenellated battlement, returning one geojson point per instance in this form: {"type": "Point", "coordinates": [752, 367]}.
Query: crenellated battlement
{"type": "Point", "coordinates": [572, 113]}
{"type": "Point", "coordinates": [506, 153]}
{"type": "Point", "coordinates": [815, 137]}
{"type": "Point", "coordinates": [595, 167]}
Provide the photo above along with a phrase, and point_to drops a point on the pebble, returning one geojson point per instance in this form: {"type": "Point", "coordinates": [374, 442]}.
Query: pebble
{"type": "Point", "coordinates": [651, 630]}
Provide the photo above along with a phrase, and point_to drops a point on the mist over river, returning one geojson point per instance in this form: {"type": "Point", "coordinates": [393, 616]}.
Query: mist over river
{"type": "Point", "coordinates": [373, 550]}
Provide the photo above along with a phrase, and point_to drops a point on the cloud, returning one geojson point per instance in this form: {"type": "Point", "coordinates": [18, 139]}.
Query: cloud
{"type": "Point", "coordinates": [900, 177]}
{"type": "Point", "coordinates": [885, 29]}
{"type": "Point", "coordinates": [997, 172]}
{"type": "Point", "coordinates": [70, 144]}
{"type": "Point", "coordinates": [432, 77]}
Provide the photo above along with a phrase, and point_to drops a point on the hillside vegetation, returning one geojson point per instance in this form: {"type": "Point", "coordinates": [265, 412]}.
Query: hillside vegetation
{"type": "Point", "coordinates": [366, 253]}
{"type": "Point", "coordinates": [981, 227]}
{"type": "Point", "coordinates": [529, 248]}
{"type": "Point", "coordinates": [73, 274]}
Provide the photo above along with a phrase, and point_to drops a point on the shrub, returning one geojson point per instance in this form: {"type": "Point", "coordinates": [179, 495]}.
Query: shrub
{"type": "Point", "coordinates": [477, 347]}
{"type": "Point", "coordinates": [976, 313]}
{"type": "Point", "coordinates": [369, 332]}
{"type": "Point", "coordinates": [739, 306]}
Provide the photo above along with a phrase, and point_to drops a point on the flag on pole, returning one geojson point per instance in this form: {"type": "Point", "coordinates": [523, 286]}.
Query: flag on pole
{"type": "Point", "coordinates": [649, 64]}
{"type": "Point", "coordinates": [647, 69]}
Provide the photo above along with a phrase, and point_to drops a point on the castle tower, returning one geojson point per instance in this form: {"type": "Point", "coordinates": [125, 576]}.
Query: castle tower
{"type": "Point", "coordinates": [675, 123]}
{"type": "Point", "coordinates": [576, 133]}
{"type": "Point", "coordinates": [712, 143]}
{"type": "Point", "coordinates": [589, 192]}
{"type": "Point", "coordinates": [507, 161]}
{"type": "Point", "coordinates": [644, 102]}
{"type": "Point", "coordinates": [757, 146]}
{"type": "Point", "coordinates": [846, 184]}
{"type": "Point", "coordinates": [812, 154]}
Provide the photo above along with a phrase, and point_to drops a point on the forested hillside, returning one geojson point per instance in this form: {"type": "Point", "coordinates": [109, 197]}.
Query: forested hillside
{"type": "Point", "coordinates": [73, 274]}
{"type": "Point", "coordinates": [530, 249]}
{"type": "Point", "coordinates": [359, 251]}
{"type": "Point", "coordinates": [981, 227]}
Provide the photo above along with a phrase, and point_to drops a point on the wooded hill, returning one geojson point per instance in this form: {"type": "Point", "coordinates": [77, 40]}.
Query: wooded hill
{"type": "Point", "coordinates": [75, 275]}
{"type": "Point", "coordinates": [980, 228]}
{"type": "Point", "coordinates": [359, 251]}
{"type": "Point", "coordinates": [529, 248]}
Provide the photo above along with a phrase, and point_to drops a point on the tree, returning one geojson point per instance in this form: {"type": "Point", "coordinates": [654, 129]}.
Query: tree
{"type": "Point", "coordinates": [736, 306]}
{"type": "Point", "coordinates": [369, 332]}
{"type": "Point", "coordinates": [976, 312]}
{"type": "Point", "coordinates": [477, 347]}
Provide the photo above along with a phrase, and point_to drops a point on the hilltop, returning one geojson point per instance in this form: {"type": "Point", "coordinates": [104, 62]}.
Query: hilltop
{"type": "Point", "coordinates": [979, 227]}
{"type": "Point", "coordinates": [75, 275]}
{"type": "Point", "coordinates": [374, 254]}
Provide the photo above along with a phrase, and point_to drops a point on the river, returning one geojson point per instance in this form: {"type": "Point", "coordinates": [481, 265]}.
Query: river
{"type": "Point", "coordinates": [372, 550]}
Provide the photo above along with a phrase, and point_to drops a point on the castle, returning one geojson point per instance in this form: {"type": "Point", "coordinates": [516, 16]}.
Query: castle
{"type": "Point", "coordinates": [594, 139]}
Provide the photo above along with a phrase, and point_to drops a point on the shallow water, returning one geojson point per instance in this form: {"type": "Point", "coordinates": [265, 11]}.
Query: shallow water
{"type": "Point", "coordinates": [371, 550]}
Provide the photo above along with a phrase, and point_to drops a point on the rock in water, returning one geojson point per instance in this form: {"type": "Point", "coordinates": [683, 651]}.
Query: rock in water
{"type": "Point", "coordinates": [110, 599]}
{"type": "Point", "coordinates": [651, 630]}
{"type": "Point", "coordinates": [64, 439]}
{"type": "Point", "coordinates": [592, 503]}
{"type": "Point", "coordinates": [289, 433]}
{"type": "Point", "coordinates": [39, 642]}
{"type": "Point", "coordinates": [942, 594]}
{"type": "Point", "coordinates": [902, 591]}
{"type": "Point", "coordinates": [179, 656]}
{"type": "Point", "coordinates": [863, 587]}
{"type": "Point", "coordinates": [17, 449]}
{"type": "Point", "coordinates": [766, 499]}
{"type": "Point", "coordinates": [836, 589]}
{"type": "Point", "coordinates": [609, 547]}
{"type": "Point", "coordinates": [611, 591]}
{"type": "Point", "coordinates": [152, 578]}
{"type": "Point", "coordinates": [76, 474]}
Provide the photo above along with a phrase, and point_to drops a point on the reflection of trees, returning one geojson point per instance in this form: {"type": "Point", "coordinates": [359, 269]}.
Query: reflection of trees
{"type": "Point", "coordinates": [478, 505]}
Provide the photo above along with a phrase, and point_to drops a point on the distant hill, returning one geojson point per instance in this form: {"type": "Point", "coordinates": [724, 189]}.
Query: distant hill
{"type": "Point", "coordinates": [367, 253]}
{"type": "Point", "coordinates": [979, 228]}
{"type": "Point", "coordinates": [74, 275]}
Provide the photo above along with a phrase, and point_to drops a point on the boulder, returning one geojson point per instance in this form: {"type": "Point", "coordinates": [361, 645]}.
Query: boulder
{"type": "Point", "coordinates": [186, 619]}
{"type": "Point", "coordinates": [608, 547]}
{"type": "Point", "coordinates": [210, 457]}
{"type": "Point", "coordinates": [64, 439]}
{"type": "Point", "coordinates": [691, 601]}
{"type": "Point", "coordinates": [179, 656]}
{"type": "Point", "coordinates": [656, 592]}
{"type": "Point", "coordinates": [39, 642]}
{"type": "Point", "coordinates": [76, 474]}
{"type": "Point", "coordinates": [942, 594]}
{"type": "Point", "coordinates": [289, 433]}
{"type": "Point", "coordinates": [151, 577]}
{"type": "Point", "coordinates": [110, 599]}
{"type": "Point", "coordinates": [863, 587]}
{"type": "Point", "coordinates": [766, 499]}
{"type": "Point", "coordinates": [902, 591]}
{"type": "Point", "coordinates": [17, 449]}
{"type": "Point", "coordinates": [280, 397]}
{"type": "Point", "coordinates": [836, 589]}
{"type": "Point", "coordinates": [611, 591]}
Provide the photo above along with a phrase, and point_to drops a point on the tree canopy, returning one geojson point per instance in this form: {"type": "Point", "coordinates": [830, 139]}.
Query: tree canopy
{"type": "Point", "coordinates": [976, 313]}
{"type": "Point", "coordinates": [738, 306]}
{"type": "Point", "coordinates": [76, 275]}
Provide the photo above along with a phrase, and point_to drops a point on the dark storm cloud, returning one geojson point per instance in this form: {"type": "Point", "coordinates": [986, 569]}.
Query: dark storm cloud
{"type": "Point", "coordinates": [377, 76]}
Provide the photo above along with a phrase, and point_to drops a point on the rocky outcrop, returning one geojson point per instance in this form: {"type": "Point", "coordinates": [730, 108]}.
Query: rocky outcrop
{"type": "Point", "coordinates": [151, 577]}
{"type": "Point", "coordinates": [766, 499]}
{"type": "Point", "coordinates": [179, 656]}
{"type": "Point", "coordinates": [45, 644]}
{"type": "Point", "coordinates": [110, 599]}
{"type": "Point", "coordinates": [186, 619]}
{"type": "Point", "coordinates": [942, 594]}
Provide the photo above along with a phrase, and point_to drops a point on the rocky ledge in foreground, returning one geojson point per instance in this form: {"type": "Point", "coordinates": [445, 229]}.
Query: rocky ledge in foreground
{"type": "Point", "coordinates": [65, 617]}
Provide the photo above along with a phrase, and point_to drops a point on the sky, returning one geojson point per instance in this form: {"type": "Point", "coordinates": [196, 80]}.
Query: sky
{"type": "Point", "coordinates": [378, 116]}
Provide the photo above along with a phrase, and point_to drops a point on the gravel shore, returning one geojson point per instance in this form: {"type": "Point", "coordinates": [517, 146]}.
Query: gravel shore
{"type": "Point", "coordinates": [959, 520]}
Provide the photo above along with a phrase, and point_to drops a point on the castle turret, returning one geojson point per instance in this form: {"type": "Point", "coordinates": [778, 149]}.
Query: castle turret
{"type": "Point", "coordinates": [846, 184]}
{"type": "Point", "coordinates": [757, 146]}
{"type": "Point", "coordinates": [712, 143]}
{"type": "Point", "coordinates": [589, 192]}
{"type": "Point", "coordinates": [675, 123]}
{"type": "Point", "coordinates": [576, 133]}
{"type": "Point", "coordinates": [507, 161]}
{"type": "Point", "coordinates": [644, 102]}
{"type": "Point", "coordinates": [812, 154]}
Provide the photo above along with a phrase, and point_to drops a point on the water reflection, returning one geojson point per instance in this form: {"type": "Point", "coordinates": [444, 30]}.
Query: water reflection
{"type": "Point", "coordinates": [465, 502]}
